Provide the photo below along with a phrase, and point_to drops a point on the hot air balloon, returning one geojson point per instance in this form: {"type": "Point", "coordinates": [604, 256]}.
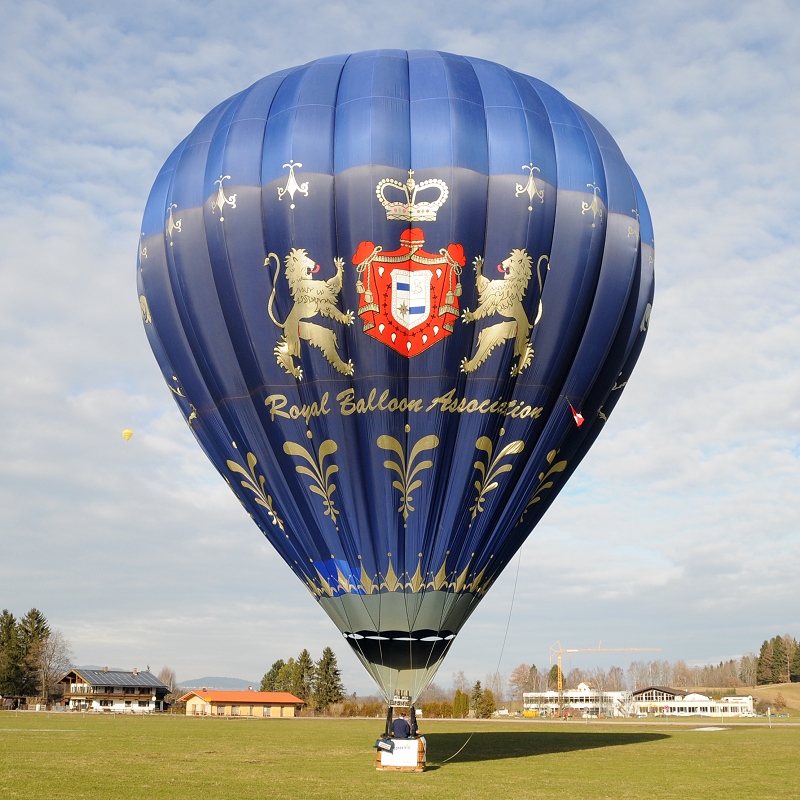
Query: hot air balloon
{"type": "Point", "coordinates": [126, 434]}
{"type": "Point", "coordinates": [396, 295]}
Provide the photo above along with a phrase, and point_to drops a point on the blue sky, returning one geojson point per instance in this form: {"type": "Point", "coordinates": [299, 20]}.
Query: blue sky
{"type": "Point", "coordinates": [679, 530]}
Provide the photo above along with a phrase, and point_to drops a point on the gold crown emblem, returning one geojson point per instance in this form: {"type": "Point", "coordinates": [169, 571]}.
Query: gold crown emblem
{"type": "Point", "coordinates": [411, 210]}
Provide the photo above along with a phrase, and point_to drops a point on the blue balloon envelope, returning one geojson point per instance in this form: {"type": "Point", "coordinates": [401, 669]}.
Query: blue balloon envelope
{"type": "Point", "coordinates": [396, 295]}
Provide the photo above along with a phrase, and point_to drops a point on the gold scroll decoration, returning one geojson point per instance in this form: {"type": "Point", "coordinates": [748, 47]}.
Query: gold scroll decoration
{"type": "Point", "coordinates": [544, 481]}
{"type": "Point", "coordinates": [491, 469]}
{"type": "Point", "coordinates": [318, 472]}
{"type": "Point", "coordinates": [256, 484]}
{"type": "Point", "coordinates": [406, 469]}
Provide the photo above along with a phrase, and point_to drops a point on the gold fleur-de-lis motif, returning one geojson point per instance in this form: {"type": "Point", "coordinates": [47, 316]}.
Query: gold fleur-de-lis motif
{"type": "Point", "coordinates": [221, 200]}
{"type": "Point", "coordinates": [530, 186]}
{"type": "Point", "coordinates": [594, 206]}
{"type": "Point", "coordinates": [173, 225]}
{"type": "Point", "coordinates": [255, 483]}
{"type": "Point", "coordinates": [406, 468]}
{"type": "Point", "coordinates": [318, 473]}
{"type": "Point", "coordinates": [292, 185]}
{"type": "Point", "coordinates": [491, 469]}
{"type": "Point", "coordinates": [544, 481]}
{"type": "Point", "coordinates": [145, 309]}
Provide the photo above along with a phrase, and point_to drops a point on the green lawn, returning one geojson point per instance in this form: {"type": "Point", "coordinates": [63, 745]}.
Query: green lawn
{"type": "Point", "coordinates": [68, 756]}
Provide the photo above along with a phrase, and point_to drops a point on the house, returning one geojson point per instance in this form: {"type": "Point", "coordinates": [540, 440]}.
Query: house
{"type": "Point", "coordinates": [113, 690]}
{"type": "Point", "coordinates": [663, 701]}
{"type": "Point", "coordinates": [217, 703]}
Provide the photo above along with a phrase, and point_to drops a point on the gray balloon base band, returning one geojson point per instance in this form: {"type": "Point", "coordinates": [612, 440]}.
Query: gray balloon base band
{"type": "Point", "coordinates": [401, 638]}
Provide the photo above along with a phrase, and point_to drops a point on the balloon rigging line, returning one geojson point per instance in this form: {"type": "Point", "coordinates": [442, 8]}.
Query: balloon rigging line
{"type": "Point", "coordinates": [502, 648]}
{"type": "Point", "coordinates": [508, 623]}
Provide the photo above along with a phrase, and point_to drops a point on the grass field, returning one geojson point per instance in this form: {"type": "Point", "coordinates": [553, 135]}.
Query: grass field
{"type": "Point", "coordinates": [69, 756]}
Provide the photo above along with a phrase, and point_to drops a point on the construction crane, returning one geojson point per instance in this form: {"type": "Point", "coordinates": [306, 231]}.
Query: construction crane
{"type": "Point", "coordinates": [557, 650]}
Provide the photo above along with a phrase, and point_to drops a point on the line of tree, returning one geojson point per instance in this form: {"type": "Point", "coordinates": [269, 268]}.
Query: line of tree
{"type": "Point", "coordinates": [33, 656]}
{"type": "Point", "coordinates": [777, 662]}
{"type": "Point", "coordinates": [318, 684]}
{"type": "Point", "coordinates": [480, 702]}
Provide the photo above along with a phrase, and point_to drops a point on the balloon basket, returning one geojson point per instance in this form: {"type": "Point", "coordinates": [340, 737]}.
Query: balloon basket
{"type": "Point", "coordinates": [408, 755]}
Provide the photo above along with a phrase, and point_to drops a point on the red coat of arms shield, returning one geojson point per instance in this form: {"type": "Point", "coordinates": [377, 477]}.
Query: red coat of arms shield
{"type": "Point", "coordinates": [408, 297]}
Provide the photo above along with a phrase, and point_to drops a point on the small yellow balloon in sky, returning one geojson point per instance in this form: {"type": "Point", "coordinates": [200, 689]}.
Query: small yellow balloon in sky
{"type": "Point", "coordinates": [127, 433]}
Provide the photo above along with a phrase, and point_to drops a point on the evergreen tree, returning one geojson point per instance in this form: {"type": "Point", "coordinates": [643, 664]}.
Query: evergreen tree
{"type": "Point", "coordinates": [778, 660]}
{"type": "Point", "coordinates": [477, 694]}
{"type": "Point", "coordinates": [283, 681]}
{"type": "Point", "coordinates": [328, 686]}
{"type": "Point", "coordinates": [764, 670]}
{"type": "Point", "coordinates": [32, 630]}
{"type": "Point", "coordinates": [552, 677]}
{"type": "Point", "coordinates": [11, 677]}
{"type": "Point", "coordinates": [795, 673]}
{"type": "Point", "coordinates": [460, 704]}
{"type": "Point", "coordinates": [33, 627]}
{"type": "Point", "coordinates": [790, 647]}
{"type": "Point", "coordinates": [270, 680]}
{"type": "Point", "coordinates": [485, 706]}
{"type": "Point", "coordinates": [303, 676]}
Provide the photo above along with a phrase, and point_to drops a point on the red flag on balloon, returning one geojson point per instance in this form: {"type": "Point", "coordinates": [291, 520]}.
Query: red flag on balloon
{"type": "Point", "coordinates": [576, 414]}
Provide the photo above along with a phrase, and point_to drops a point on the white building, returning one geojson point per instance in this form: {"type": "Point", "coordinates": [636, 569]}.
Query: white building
{"type": "Point", "coordinates": [584, 700]}
{"type": "Point", "coordinates": [665, 702]}
{"type": "Point", "coordinates": [113, 690]}
{"type": "Point", "coordinates": [652, 701]}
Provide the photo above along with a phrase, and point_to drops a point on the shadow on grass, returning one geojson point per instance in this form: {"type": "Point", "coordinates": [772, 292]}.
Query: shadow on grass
{"type": "Point", "coordinates": [490, 746]}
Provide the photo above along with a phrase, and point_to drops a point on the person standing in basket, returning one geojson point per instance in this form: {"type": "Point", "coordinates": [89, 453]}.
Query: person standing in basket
{"type": "Point", "coordinates": [400, 727]}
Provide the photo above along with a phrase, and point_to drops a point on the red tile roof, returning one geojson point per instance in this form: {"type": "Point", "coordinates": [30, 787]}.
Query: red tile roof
{"type": "Point", "coordinates": [245, 698]}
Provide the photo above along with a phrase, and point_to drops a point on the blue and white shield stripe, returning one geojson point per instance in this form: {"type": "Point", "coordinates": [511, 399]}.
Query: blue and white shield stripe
{"type": "Point", "coordinates": [411, 296]}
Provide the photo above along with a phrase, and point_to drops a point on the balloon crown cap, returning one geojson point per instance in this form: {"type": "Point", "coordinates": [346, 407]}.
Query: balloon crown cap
{"type": "Point", "coordinates": [411, 210]}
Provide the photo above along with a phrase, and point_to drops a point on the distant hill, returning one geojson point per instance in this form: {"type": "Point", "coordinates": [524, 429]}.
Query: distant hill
{"type": "Point", "coordinates": [215, 682]}
{"type": "Point", "coordinates": [99, 668]}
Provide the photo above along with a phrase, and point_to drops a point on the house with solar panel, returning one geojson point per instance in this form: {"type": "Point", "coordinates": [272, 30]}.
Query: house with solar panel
{"type": "Point", "coordinates": [113, 690]}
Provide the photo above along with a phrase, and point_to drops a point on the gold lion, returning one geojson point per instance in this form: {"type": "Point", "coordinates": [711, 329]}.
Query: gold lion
{"type": "Point", "coordinates": [311, 297]}
{"type": "Point", "coordinates": [504, 296]}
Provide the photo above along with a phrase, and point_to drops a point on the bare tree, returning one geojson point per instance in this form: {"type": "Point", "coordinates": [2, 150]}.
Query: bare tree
{"type": "Point", "coordinates": [49, 658]}
{"type": "Point", "coordinates": [433, 693]}
{"type": "Point", "coordinates": [638, 675]}
{"type": "Point", "coordinates": [748, 668]}
{"type": "Point", "coordinates": [167, 676]}
{"type": "Point", "coordinates": [616, 679]}
{"type": "Point", "coordinates": [681, 674]}
{"type": "Point", "coordinates": [521, 680]}
{"type": "Point", "coordinates": [575, 676]}
{"type": "Point", "coordinates": [496, 682]}
{"type": "Point", "coordinates": [460, 682]}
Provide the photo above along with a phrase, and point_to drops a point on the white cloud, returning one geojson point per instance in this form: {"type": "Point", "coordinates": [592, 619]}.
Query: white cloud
{"type": "Point", "coordinates": [681, 527]}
